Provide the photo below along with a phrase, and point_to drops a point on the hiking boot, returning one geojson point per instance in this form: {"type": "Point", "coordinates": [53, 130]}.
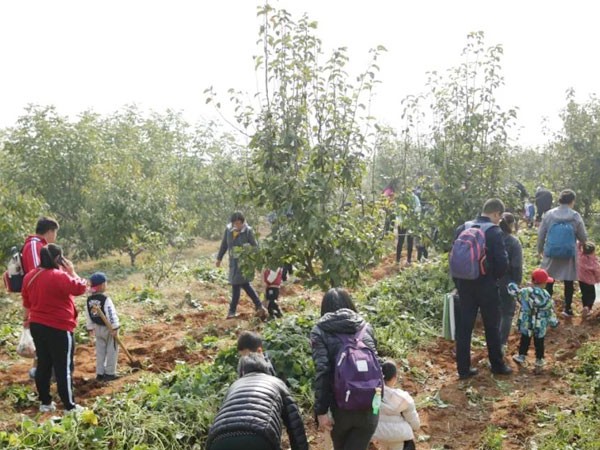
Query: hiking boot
{"type": "Point", "coordinates": [502, 370]}
{"type": "Point", "coordinates": [471, 373]}
{"type": "Point", "coordinates": [568, 313]}
{"type": "Point", "coordinates": [520, 359]}
{"type": "Point", "coordinates": [111, 377]}
{"type": "Point", "coordinates": [48, 408]}
{"type": "Point", "coordinates": [585, 312]}
{"type": "Point", "coordinates": [99, 377]}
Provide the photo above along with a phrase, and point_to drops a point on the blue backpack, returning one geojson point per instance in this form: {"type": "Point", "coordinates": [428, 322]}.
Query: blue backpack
{"type": "Point", "coordinates": [467, 257]}
{"type": "Point", "coordinates": [560, 241]}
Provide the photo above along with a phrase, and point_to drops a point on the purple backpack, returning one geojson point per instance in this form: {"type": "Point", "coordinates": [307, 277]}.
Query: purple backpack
{"type": "Point", "coordinates": [467, 257]}
{"type": "Point", "coordinates": [357, 373]}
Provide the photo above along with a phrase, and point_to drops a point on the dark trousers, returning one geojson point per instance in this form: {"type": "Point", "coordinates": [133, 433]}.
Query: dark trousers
{"type": "Point", "coordinates": [55, 349]}
{"type": "Point", "coordinates": [288, 269]}
{"type": "Point", "coordinates": [409, 244]}
{"type": "Point", "coordinates": [422, 252]}
{"type": "Point", "coordinates": [569, 290]}
{"type": "Point", "coordinates": [236, 291]}
{"type": "Point", "coordinates": [479, 295]}
{"type": "Point", "coordinates": [507, 311]}
{"type": "Point", "coordinates": [241, 442]}
{"type": "Point", "coordinates": [353, 430]}
{"type": "Point", "coordinates": [537, 342]}
{"type": "Point", "coordinates": [588, 294]}
{"type": "Point", "coordinates": [409, 445]}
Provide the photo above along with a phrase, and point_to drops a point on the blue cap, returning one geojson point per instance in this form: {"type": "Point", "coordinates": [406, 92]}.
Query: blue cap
{"type": "Point", "coordinates": [97, 278]}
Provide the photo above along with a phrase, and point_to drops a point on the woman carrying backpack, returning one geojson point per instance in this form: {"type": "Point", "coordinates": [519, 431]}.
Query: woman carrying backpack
{"type": "Point", "coordinates": [353, 420]}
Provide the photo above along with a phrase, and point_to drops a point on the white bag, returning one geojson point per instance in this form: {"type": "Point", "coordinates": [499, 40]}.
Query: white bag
{"type": "Point", "coordinates": [26, 347]}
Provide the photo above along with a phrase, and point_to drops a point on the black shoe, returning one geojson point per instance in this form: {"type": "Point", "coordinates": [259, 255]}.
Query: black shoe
{"type": "Point", "coordinates": [100, 378]}
{"type": "Point", "coordinates": [108, 377]}
{"type": "Point", "coordinates": [471, 373]}
{"type": "Point", "coordinates": [502, 370]}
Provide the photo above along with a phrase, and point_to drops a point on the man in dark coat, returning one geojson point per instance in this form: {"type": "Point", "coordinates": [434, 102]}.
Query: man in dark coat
{"type": "Point", "coordinates": [543, 203]}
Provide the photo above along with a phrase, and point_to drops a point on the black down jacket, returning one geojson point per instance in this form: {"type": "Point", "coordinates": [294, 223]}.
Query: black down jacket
{"type": "Point", "coordinates": [260, 404]}
{"type": "Point", "coordinates": [325, 347]}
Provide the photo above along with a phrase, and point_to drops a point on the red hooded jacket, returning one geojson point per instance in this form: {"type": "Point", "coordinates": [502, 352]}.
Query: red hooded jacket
{"type": "Point", "coordinates": [31, 252]}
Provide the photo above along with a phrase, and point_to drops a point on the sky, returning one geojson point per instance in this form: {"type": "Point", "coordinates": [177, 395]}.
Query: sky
{"type": "Point", "coordinates": [101, 55]}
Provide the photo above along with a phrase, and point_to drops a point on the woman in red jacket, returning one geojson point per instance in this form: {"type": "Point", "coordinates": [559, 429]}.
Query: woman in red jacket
{"type": "Point", "coordinates": [51, 314]}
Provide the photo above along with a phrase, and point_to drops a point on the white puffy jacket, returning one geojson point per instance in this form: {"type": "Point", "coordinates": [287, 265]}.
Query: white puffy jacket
{"type": "Point", "coordinates": [398, 417]}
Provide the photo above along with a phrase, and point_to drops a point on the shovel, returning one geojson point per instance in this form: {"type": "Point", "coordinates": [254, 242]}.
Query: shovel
{"type": "Point", "coordinates": [133, 363]}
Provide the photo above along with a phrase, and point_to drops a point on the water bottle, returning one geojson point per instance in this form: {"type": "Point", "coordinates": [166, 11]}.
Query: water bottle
{"type": "Point", "coordinates": [376, 401]}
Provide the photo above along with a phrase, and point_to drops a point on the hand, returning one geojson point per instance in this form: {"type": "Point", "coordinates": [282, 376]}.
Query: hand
{"type": "Point", "coordinates": [325, 422]}
{"type": "Point", "coordinates": [218, 263]}
{"type": "Point", "coordinates": [91, 333]}
{"type": "Point", "coordinates": [68, 265]}
{"type": "Point", "coordinates": [26, 323]}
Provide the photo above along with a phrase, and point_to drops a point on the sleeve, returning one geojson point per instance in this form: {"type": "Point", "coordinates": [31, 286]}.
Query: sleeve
{"type": "Point", "coordinates": [223, 247]}
{"type": "Point", "coordinates": [252, 238]}
{"type": "Point", "coordinates": [516, 262]}
{"type": "Point", "coordinates": [293, 422]}
{"type": "Point", "coordinates": [497, 252]}
{"type": "Point", "coordinates": [111, 313]}
{"type": "Point", "coordinates": [552, 319]}
{"type": "Point", "coordinates": [411, 415]}
{"type": "Point", "coordinates": [580, 231]}
{"type": "Point", "coordinates": [320, 355]}
{"type": "Point", "coordinates": [543, 230]}
{"type": "Point", "coordinates": [72, 286]}
{"type": "Point", "coordinates": [89, 324]}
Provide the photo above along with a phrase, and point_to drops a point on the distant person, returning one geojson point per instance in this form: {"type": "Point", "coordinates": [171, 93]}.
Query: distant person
{"type": "Point", "coordinates": [403, 219]}
{"type": "Point", "coordinates": [238, 235]}
{"type": "Point", "coordinates": [107, 350]}
{"type": "Point", "coordinates": [478, 290]}
{"type": "Point", "coordinates": [537, 312]}
{"type": "Point", "coordinates": [48, 299]}
{"type": "Point", "coordinates": [561, 227]}
{"type": "Point", "coordinates": [272, 280]}
{"type": "Point", "coordinates": [543, 203]}
{"type": "Point", "coordinates": [349, 428]}
{"type": "Point", "coordinates": [398, 417]}
{"type": "Point", "coordinates": [251, 342]}
{"type": "Point", "coordinates": [514, 274]}
{"type": "Point", "coordinates": [589, 274]}
{"type": "Point", "coordinates": [529, 213]}
{"type": "Point", "coordinates": [254, 410]}
{"type": "Point", "coordinates": [389, 193]}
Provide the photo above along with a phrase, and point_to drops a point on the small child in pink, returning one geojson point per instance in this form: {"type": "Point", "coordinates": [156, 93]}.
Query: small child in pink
{"type": "Point", "coordinates": [272, 279]}
{"type": "Point", "coordinates": [588, 269]}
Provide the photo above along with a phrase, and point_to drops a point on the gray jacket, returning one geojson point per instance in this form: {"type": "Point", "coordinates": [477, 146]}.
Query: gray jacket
{"type": "Point", "coordinates": [233, 246]}
{"type": "Point", "coordinates": [561, 268]}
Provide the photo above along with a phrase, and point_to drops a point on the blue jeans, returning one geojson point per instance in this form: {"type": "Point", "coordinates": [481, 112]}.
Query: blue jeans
{"type": "Point", "coordinates": [236, 290]}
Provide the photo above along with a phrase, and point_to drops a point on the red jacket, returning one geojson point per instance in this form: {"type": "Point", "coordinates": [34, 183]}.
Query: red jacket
{"type": "Point", "coordinates": [588, 269]}
{"type": "Point", "coordinates": [31, 252]}
{"type": "Point", "coordinates": [272, 278]}
{"type": "Point", "coordinates": [49, 298]}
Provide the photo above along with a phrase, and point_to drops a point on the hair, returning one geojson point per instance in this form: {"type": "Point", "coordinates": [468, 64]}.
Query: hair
{"type": "Point", "coordinates": [507, 222]}
{"type": "Point", "coordinates": [237, 216]}
{"type": "Point", "coordinates": [249, 340]}
{"type": "Point", "coordinates": [493, 205]}
{"type": "Point", "coordinates": [589, 248]}
{"type": "Point", "coordinates": [389, 370]}
{"type": "Point", "coordinates": [50, 255]}
{"type": "Point", "coordinates": [566, 197]}
{"type": "Point", "coordinates": [45, 224]}
{"type": "Point", "coordinates": [335, 299]}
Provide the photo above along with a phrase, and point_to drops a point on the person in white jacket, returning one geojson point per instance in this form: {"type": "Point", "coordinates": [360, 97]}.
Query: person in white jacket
{"type": "Point", "coordinates": [398, 417]}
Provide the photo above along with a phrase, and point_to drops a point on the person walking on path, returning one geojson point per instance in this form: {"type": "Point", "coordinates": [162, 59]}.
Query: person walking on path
{"type": "Point", "coordinates": [543, 203]}
{"type": "Point", "coordinates": [238, 235]}
{"type": "Point", "coordinates": [561, 227]}
{"type": "Point", "coordinates": [481, 293]}
{"type": "Point", "coordinates": [589, 275]}
{"type": "Point", "coordinates": [514, 274]}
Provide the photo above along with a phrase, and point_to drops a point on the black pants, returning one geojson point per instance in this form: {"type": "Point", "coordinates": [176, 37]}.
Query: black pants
{"type": "Point", "coordinates": [569, 290]}
{"type": "Point", "coordinates": [241, 442]}
{"type": "Point", "coordinates": [353, 430]}
{"type": "Point", "coordinates": [236, 291]}
{"type": "Point", "coordinates": [55, 349]}
{"type": "Point", "coordinates": [422, 252]}
{"type": "Point", "coordinates": [271, 296]}
{"type": "Point", "coordinates": [288, 269]}
{"type": "Point", "coordinates": [474, 296]}
{"type": "Point", "coordinates": [409, 244]}
{"type": "Point", "coordinates": [588, 294]}
{"type": "Point", "coordinates": [409, 445]}
{"type": "Point", "coordinates": [537, 342]}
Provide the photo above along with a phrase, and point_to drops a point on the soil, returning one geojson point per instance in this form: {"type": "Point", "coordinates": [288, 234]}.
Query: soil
{"type": "Point", "coordinates": [454, 414]}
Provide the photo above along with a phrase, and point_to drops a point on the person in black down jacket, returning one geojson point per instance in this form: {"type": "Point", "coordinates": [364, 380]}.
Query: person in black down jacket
{"type": "Point", "coordinates": [350, 430]}
{"type": "Point", "coordinates": [252, 413]}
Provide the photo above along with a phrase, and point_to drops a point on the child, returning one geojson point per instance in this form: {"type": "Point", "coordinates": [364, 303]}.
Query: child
{"type": "Point", "coordinates": [251, 342]}
{"type": "Point", "coordinates": [398, 417]}
{"type": "Point", "coordinates": [529, 213]}
{"type": "Point", "coordinates": [106, 347]}
{"type": "Point", "coordinates": [589, 275]}
{"type": "Point", "coordinates": [537, 312]}
{"type": "Point", "coordinates": [272, 279]}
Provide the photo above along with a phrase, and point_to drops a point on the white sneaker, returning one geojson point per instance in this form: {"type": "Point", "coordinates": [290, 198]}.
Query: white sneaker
{"type": "Point", "coordinates": [48, 408]}
{"type": "Point", "coordinates": [77, 409]}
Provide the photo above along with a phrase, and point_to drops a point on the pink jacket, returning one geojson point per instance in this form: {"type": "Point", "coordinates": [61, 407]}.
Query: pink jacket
{"type": "Point", "coordinates": [588, 268]}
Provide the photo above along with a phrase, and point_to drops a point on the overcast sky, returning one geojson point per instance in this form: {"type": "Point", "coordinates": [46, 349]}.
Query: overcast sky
{"type": "Point", "coordinates": [100, 55]}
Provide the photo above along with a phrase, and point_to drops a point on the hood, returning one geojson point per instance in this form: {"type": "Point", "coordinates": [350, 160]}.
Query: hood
{"type": "Point", "coordinates": [563, 212]}
{"type": "Point", "coordinates": [343, 321]}
{"type": "Point", "coordinates": [253, 362]}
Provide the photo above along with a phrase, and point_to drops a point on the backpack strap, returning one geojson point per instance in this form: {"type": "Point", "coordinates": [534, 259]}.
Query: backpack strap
{"type": "Point", "coordinates": [34, 277]}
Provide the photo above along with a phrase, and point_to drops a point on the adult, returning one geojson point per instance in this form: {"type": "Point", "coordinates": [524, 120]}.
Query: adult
{"type": "Point", "coordinates": [543, 203]}
{"type": "Point", "coordinates": [237, 235]}
{"type": "Point", "coordinates": [52, 317]}
{"type": "Point", "coordinates": [254, 408]}
{"type": "Point", "coordinates": [350, 430]}
{"type": "Point", "coordinates": [404, 219]}
{"type": "Point", "coordinates": [481, 294]}
{"type": "Point", "coordinates": [559, 259]}
{"type": "Point", "coordinates": [514, 274]}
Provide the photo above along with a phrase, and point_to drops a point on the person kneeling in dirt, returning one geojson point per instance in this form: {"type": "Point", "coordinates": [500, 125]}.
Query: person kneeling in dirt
{"type": "Point", "coordinates": [107, 351]}
{"type": "Point", "coordinates": [252, 413]}
{"type": "Point", "coordinates": [272, 279]}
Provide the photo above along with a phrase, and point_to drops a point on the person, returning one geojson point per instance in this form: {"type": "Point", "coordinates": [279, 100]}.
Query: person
{"type": "Point", "coordinates": [589, 275]}
{"type": "Point", "coordinates": [529, 210]}
{"type": "Point", "coordinates": [350, 430]}
{"type": "Point", "coordinates": [237, 235]}
{"type": "Point", "coordinates": [272, 280]}
{"type": "Point", "coordinates": [107, 350]}
{"type": "Point", "coordinates": [50, 310]}
{"type": "Point", "coordinates": [482, 294]}
{"type": "Point", "coordinates": [514, 274]}
{"type": "Point", "coordinates": [255, 407]}
{"type": "Point", "coordinates": [537, 312]}
{"type": "Point", "coordinates": [403, 228]}
{"type": "Point", "coordinates": [398, 418]}
{"type": "Point", "coordinates": [251, 342]}
{"type": "Point", "coordinates": [556, 245]}
{"type": "Point", "coordinates": [543, 203]}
